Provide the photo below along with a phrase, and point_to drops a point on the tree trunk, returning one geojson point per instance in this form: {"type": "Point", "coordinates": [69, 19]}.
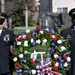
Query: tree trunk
{"type": "Point", "coordinates": [2, 6]}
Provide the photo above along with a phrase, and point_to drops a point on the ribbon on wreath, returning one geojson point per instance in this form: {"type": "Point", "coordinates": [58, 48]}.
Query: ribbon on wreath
{"type": "Point", "coordinates": [44, 68]}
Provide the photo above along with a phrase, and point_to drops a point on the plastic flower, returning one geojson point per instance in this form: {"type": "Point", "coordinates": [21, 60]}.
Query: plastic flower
{"type": "Point", "coordinates": [33, 72]}
{"type": "Point", "coordinates": [18, 42]}
{"type": "Point", "coordinates": [27, 31]}
{"type": "Point", "coordinates": [45, 40]}
{"type": "Point", "coordinates": [65, 64]}
{"type": "Point", "coordinates": [21, 56]}
{"type": "Point", "coordinates": [59, 41]}
{"type": "Point", "coordinates": [14, 59]}
{"type": "Point", "coordinates": [38, 41]}
{"type": "Point", "coordinates": [26, 43]}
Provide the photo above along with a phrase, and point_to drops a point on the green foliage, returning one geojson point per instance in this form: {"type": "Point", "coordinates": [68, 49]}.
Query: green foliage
{"type": "Point", "coordinates": [18, 19]}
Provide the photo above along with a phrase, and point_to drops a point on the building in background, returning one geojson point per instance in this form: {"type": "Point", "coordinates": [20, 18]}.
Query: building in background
{"type": "Point", "coordinates": [57, 6]}
{"type": "Point", "coordinates": [62, 6]}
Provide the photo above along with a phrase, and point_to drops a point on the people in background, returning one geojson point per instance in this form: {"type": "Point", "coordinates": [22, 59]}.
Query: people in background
{"type": "Point", "coordinates": [69, 33]}
{"type": "Point", "coordinates": [7, 38]}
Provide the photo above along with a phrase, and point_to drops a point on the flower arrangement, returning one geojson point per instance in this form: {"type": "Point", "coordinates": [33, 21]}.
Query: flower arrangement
{"type": "Point", "coordinates": [58, 50]}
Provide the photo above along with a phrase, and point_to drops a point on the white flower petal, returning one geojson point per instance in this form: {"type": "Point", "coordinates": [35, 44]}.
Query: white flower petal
{"type": "Point", "coordinates": [18, 42]}
{"type": "Point", "coordinates": [68, 59]}
{"type": "Point", "coordinates": [27, 31]}
{"type": "Point", "coordinates": [59, 41]}
{"type": "Point", "coordinates": [57, 64]}
{"type": "Point", "coordinates": [33, 72]}
{"type": "Point", "coordinates": [55, 55]}
{"type": "Point", "coordinates": [15, 59]}
{"type": "Point", "coordinates": [65, 64]}
{"type": "Point", "coordinates": [45, 40]}
{"type": "Point", "coordinates": [21, 56]}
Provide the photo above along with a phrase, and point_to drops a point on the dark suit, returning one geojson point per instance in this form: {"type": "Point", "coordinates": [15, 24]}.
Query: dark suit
{"type": "Point", "coordinates": [7, 38]}
{"type": "Point", "coordinates": [70, 31]}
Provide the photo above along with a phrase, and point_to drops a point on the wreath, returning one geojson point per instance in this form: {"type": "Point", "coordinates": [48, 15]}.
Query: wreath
{"type": "Point", "coordinates": [58, 59]}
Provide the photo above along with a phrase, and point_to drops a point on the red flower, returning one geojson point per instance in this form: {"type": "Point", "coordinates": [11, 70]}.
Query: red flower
{"type": "Point", "coordinates": [38, 27]}
{"type": "Point", "coordinates": [29, 36]}
{"type": "Point", "coordinates": [65, 56]}
{"type": "Point", "coordinates": [50, 36]}
{"type": "Point", "coordinates": [17, 64]}
{"type": "Point", "coordinates": [58, 35]}
{"type": "Point", "coordinates": [20, 38]}
{"type": "Point", "coordinates": [55, 68]}
{"type": "Point", "coordinates": [54, 62]}
{"type": "Point", "coordinates": [13, 53]}
{"type": "Point", "coordinates": [33, 61]}
{"type": "Point", "coordinates": [55, 39]}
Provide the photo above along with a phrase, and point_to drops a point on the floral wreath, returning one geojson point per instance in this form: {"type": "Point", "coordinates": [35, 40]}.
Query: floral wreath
{"type": "Point", "coordinates": [58, 49]}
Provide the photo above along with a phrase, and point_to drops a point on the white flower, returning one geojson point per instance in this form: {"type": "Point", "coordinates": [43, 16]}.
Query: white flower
{"type": "Point", "coordinates": [68, 59]}
{"type": "Point", "coordinates": [25, 52]}
{"type": "Point", "coordinates": [32, 40]}
{"type": "Point", "coordinates": [47, 29]}
{"type": "Point", "coordinates": [18, 42]}
{"type": "Point", "coordinates": [27, 31]}
{"type": "Point", "coordinates": [45, 40]}
{"type": "Point", "coordinates": [63, 48]}
{"type": "Point", "coordinates": [21, 56]}
{"type": "Point", "coordinates": [65, 64]}
{"type": "Point", "coordinates": [33, 72]}
{"type": "Point", "coordinates": [53, 36]}
{"type": "Point", "coordinates": [15, 59]}
{"type": "Point", "coordinates": [26, 43]}
{"type": "Point", "coordinates": [38, 41]}
{"type": "Point", "coordinates": [57, 64]}
{"type": "Point", "coordinates": [59, 41]}
{"type": "Point", "coordinates": [41, 32]}
{"type": "Point", "coordinates": [55, 56]}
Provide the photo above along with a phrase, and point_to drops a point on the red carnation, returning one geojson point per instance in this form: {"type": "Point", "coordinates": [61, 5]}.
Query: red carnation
{"type": "Point", "coordinates": [20, 38]}
{"type": "Point", "coordinates": [55, 68]}
{"type": "Point", "coordinates": [55, 39]}
{"type": "Point", "coordinates": [13, 53]}
{"type": "Point", "coordinates": [54, 62]}
{"type": "Point", "coordinates": [50, 36]}
{"type": "Point", "coordinates": [33, 61]}
{"type": "Point", "coordinates": [58, 35]}
{"type": "Point", "coordinates": [29, 36]}
{"type": "Point", "coordinates": [64, 56]}
{"type": "Point", "coordinates": [38, 27]}
{"type": "Point", "coordinates": [17, 64]}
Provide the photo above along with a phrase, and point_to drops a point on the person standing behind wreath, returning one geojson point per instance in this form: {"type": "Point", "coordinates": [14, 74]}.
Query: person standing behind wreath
{"type": "Point", "coordinates": [7, 38]}
{"type": "Point", "coordinates": [69, 33]}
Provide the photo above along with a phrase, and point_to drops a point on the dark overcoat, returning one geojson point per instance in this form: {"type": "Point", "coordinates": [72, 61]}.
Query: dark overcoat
{"type": "Point", "coordinates": [7, 38]}
{"type": "Point", "coordinates": [70, 31]}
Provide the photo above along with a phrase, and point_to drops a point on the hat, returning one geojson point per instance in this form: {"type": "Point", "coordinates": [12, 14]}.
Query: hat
{"type": "Point", "coordinates": [3, 15]}
{"type": "Point", "coordinates": [72, 13]}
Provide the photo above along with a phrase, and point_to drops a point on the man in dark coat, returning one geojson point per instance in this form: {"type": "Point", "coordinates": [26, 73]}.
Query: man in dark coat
{"type": "Point", "coordinates": [69, 33]}
{"type": "Point", "coordinates": [7, 38]}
